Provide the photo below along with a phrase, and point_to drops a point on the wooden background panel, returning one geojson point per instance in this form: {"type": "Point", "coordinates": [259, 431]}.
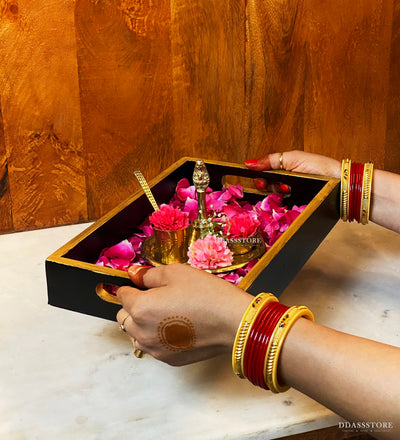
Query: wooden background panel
{"type": "Point", "coordinates": [209, 82]}
{"type": "Point", "coordinates": [5, 200]}
{"type": "Point", "coordinates": [348, 54]}
{"type": "Point", "coordinates": [275, 72]}
{"type": "Point", "coordinates": [38, 83]}
{"type": "Point", "coordinates": [93, 89]}
{"type": "Point", "coordinates": [392, 146]}
{"type": "Point", "coordinates": [126, 95]}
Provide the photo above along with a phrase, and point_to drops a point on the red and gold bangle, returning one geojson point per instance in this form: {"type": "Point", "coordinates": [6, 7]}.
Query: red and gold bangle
{"type": "Point", "coordinates": [366, 192]}
{"type": "Point", "coordinates": [258, 342]}
{"type": "Point", "coordinates": [344, 194]}
{"type": "Point", "coordinates": [359, 187]}
{"type": "Point", "coordinates": [253, 343]}
{"type": "Point", "coordinates": [268, 331]}
{"type": "Point", "coordinates": [279, 335]}
{"type": "Point", "coordinates": [355, 194]}
{"type": "Point", "coordinates": [259, 339]}
{"type": "Point", "coordinates": [245, 325]}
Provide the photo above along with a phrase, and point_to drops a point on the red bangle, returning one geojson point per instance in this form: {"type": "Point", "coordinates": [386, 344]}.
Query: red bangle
{"type": "Point", "coordinates": [250, 346]}
{"type": "Point", "coordinates": [357, 166]}
{"type": "Point", "coordinates": [360, 174]}
{"type": "Point", "coordinates": [258, 341]}
{"type": "Point", "coordinates": [267, 331]}
{"type": "Point", "coordinates": [355, 190]}
{"type": "Point", "coordinates": [261, 344]}
{"type": "Point", "coordinates": [351, 191]}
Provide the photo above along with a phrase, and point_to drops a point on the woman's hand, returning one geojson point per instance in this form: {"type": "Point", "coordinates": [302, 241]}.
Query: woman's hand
{"type": "Point", "coordinates": [185, 316]}
{"type": "Point", "coordinates": [298, 161]}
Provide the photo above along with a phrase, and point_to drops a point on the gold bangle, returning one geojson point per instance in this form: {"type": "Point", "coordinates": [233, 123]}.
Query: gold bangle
{"type": "Point", "coordinates": [244, 329]}
{"type": "Point", "coordinates": [344, 193]}
{"type": "Point", "coordinates": [366, 193]}
{"type": "Point", "coordinates": [274, 347]}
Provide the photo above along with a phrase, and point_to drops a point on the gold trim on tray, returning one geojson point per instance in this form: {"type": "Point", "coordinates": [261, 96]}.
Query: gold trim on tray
{"type": "Point", "coordinates": [106, 296]}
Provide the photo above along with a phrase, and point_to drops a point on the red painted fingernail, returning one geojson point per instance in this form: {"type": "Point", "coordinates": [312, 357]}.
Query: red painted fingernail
{"type": "Point", "coordinates": [260, 183]}
{"type": "Point", "coordinates": [133, 270]}
{"type": "Point", "coordinates": [284, 188]}
{"type": "Point", "coordinates": [251, 162]}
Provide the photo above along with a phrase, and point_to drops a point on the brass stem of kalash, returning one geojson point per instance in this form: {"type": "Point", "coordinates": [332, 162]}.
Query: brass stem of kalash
{"type": "Point", "coordinates": [201, 180]}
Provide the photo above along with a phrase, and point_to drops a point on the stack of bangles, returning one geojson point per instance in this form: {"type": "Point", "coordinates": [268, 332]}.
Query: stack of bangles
{"type": "Point", "coordinates": [260, 338]}
{"type": "Point", "coordinates": [355, 196]}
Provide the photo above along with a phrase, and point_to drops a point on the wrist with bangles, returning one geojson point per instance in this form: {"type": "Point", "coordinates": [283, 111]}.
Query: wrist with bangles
{"type": "Point", "coordinates": [259, 340]}
{"type": "Point", "coordinates": [355, 194]}
{"type": "Point", "coordinates": [266, 323]}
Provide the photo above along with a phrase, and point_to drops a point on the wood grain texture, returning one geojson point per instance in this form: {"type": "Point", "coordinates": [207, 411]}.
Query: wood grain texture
{"type": "Point", "coordinates": [209, 82]}
{"type": "Point", "coordinates": [392, 147]}
{"type": "Point", "coordinates": [126, 95]}
{"type": "Point", "coordinates": [38, 80]}
{"type": "Point", "coordinates": [5, 199]}
{"type": "Point", "coordinates": [91, 90]}
{"type": "Point", "coordinates": [275, 71]}
{"type": "Point", "coordinates": [348, 59]}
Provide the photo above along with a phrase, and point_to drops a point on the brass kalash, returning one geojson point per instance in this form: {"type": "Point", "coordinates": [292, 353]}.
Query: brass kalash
{"type": "Point", "coordinates": [166, 247]}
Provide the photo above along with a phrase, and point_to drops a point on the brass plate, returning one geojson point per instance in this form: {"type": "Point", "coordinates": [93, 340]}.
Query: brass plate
{"type": "Point", "coordinates": [149, 252]}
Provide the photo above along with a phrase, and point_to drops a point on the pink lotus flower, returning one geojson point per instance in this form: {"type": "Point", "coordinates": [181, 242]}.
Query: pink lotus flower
{"type": "Point", "coordinates": [168, 218]}
{"type": "Point", "coordinates": [210, 252]}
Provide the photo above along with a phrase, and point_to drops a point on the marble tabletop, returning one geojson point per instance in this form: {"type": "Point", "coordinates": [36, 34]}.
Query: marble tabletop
{"type": "Point", "coordinates": [70, 376]}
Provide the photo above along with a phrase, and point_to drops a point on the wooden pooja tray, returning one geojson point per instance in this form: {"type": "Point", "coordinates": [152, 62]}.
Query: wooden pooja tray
{"type": "Point", "coordinates": [75, 282]}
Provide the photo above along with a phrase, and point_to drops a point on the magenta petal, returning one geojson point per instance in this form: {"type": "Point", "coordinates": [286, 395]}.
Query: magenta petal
{"type": "Point", "coordinates": [136, 243]}
{"type": "Point", "coordinates": [122, 250]}
{"type": "Point", "coordinates": [184, 193]}
{"type": "Point", "coordinates": [236, 191]}
{"type": "Point", "coordinates": [119, 263]}
{"type": "Point", "coordinates": [231, 211]}
{"type": "Point", "coordinates": [148, 231]}
{"type": "Point", "coordinates": [251, 265]}
{"type": "Point", "coordinates": [183, 183]}
{"type": "Point", "coordinates": [231, 277]}
{"type": "Point", "coordinates": [103, 261]}
{"type": "Point", "coordinates": [215, 205]}
{"type": "Point", "coordinates": [273, 201]}
{"type": "Point", "coordinates": [299, 208]}
{"type": "Point", "coordinates": [278, 215]}
{"type": "Point", "coordinates": [190, 205]}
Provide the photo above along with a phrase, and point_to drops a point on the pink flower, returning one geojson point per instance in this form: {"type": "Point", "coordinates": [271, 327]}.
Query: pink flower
{"type": "Point", "coordinates": [168, 218]}
{"type": "Point", "coordinates": [241, 223]}
{"type": "Point", "coordinates": [210, 252]}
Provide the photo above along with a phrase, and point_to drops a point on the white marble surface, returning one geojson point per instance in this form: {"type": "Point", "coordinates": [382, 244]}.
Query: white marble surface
{"type": "Point", "coordinates": [69, 376]}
